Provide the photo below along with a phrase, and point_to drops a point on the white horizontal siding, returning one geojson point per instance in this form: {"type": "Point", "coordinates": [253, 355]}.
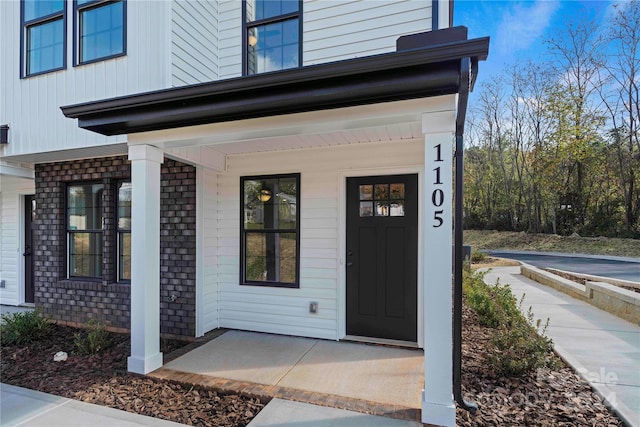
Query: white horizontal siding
{"type": "Point", "coordinates": [11, 260]}
{"type": "Point", "coordinates": [335, 30]}
{"type": "Point", "coordinates": [143, 68]}
{"type": "Point", "coordinates": [332, 29]}
{"type": "Point", "coordinates": [194, 42]}
{"type": "Point", "coordinates": [208, 260]}
{"type": "Point", "coordinates": [284, 310]}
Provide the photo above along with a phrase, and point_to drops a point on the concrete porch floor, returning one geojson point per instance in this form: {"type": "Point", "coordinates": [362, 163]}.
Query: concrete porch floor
{"type": "Point", "coordinates": [367, 378]}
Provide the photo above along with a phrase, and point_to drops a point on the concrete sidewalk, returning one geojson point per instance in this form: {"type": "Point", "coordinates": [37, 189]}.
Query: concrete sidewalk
{"type": "Point", "coordinates": [24, 407]}
{"type": "Point", "coordinates": [603, 348]}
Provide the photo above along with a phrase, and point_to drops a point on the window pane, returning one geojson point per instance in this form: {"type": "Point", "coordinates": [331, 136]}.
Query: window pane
{"type": "Point", "coordinates": [397, 208]}
{"type": "Point", "coordinates": [366, 192]}
{"type": "Point", "coordinates": [273, 47]}
{"type": "Point", "coordinates": [381, 191]}
{"type": "Point", "coordinates": [124, 206]}
{"type": "Point", "coordinates": [262, 9]}
{"type": "Point", "coordinates": [38, 8]}
{"type": "Point", "coordinates": [366, 209]}
{"type": "Point", "coordinates": [85, 254]}
{"type": "Point", "coordinates": [45, 46]}
{"type": "Point", "coordinates": [270, 204]}
{"type": "Point", "coordinates": [270, 257]}
{"type": "Point", "coordinates": [397, 191]}
{"type": "Point", "coordinates": [84, 207]}
{"type": "Point", "coordinates": [382, 208]}
{"type": "Point", "coordinates": [101, 31]}
{"type": "Point", "coordinates": [124, 256]}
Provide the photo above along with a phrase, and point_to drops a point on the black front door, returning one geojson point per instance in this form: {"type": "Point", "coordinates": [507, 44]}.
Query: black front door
{"type": "Point", "coordinates": [382, 257]}
{"type": "Point", "coordinates": [29, 217]}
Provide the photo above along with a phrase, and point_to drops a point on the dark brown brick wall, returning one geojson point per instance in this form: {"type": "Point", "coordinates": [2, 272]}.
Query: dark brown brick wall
{"type": "Point", "coordinates": [77, 301]}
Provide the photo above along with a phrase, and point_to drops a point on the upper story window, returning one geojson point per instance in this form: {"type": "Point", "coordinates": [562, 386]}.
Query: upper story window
{"type": "Point", "coordinates": [272, 35]}
{"type": "Point", "coordinates": [43, 36]}
{"type": "Point", "coordinates": [100, 30]}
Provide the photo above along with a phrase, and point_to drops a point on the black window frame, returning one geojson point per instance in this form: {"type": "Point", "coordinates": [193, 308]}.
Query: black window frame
{"type": "Point", "coordinates": [24, 39]}
{"type": "Point", "coordinates": [119, 231]}
{"type": "Point", "coordinates": [69, 232]}
{"type": "Point", "coordinates": [247, 25]}
{"type": "Point", "coordinates": [243, 232]}
{"type": "Point", "coordinates": [78, 9]}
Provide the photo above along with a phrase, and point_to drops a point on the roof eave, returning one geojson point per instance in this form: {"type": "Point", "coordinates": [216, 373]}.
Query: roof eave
{"type": "Point", "coordinates": [415, 73]}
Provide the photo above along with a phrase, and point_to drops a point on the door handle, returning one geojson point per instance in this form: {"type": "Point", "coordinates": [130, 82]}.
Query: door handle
{"type": "Point", "coordinates": [27, 251]}
{"type": "Point", "coordinates": [349, 264]}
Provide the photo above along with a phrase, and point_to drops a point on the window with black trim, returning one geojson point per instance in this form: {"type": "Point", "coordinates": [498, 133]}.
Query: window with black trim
{"type": "Point", "coordinates": [270, 230]}
{"type": "Point", "coordinates": [123, 231]}
{"type": "Point", "coordinates": [85, 222]}
{"type": "Point", "coordinates": [272, 35]}
{"type": "Point", "coordinates": [99, 27]}
{"type": "Point", "coordinates": [43, 36]}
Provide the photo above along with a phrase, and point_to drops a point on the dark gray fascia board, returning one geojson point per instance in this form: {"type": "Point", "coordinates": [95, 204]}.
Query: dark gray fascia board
{"type": "Point", "coordinates": [413, 73]}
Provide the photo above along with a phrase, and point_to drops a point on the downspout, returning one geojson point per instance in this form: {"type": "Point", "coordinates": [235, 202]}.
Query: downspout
{"type": "Point", "coordinates": [465, 86]}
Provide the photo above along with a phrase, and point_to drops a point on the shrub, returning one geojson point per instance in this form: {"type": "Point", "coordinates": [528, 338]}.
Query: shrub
{"type": "Point", "coordinates": [494, 304]}
{"type": "Point", "coordinates": [520, 343]}
{"type": "Point", "coordinates": [23, 328]}
{"type": "Point", "coordinates": [478, 256]}
{"type": "Point", "coordinates": [522, 347]}
{"type": "Point", "coordinates": [92, 340]}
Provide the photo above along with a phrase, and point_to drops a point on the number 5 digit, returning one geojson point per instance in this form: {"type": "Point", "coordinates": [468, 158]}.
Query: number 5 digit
{"type": "Point", "coordinates": [438, 218]}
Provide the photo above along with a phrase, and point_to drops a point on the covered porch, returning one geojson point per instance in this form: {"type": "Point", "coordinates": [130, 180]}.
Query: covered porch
{"type": "Point", "coordinates": [389, 115]}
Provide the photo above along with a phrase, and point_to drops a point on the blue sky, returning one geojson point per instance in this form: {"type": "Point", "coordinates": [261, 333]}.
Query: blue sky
{"type": "Point", "coordinates": [518, 28]}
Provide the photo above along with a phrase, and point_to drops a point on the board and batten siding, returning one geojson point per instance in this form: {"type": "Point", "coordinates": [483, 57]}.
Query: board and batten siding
{"type": "Point", "coordinates": [283, 310]}
{"type": "Point", "coordinates": [145, 67]}
{"type": "Point", "coordinates": [11, 260]}
{"type": "Point", "coordinates": [332, 30]}
{"type": "Point", "coordinates": [194, 42]}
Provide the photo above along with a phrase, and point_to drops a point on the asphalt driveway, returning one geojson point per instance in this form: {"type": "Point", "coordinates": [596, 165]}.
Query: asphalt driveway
{"type": "Point", "coordinates": [605, 266]}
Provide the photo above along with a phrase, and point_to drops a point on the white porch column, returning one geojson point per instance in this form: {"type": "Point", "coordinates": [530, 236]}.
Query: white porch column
{"type": "Point", "coordinates": [438, 405]}
{"type": "Point", "coordinates": [145, 259]}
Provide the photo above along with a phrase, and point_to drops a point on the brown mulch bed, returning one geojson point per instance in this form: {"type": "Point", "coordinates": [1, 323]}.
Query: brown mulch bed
{"type": "Point", "coordinates": [549, 397]}
{"type": "Point", "coordinates": [103, 379]}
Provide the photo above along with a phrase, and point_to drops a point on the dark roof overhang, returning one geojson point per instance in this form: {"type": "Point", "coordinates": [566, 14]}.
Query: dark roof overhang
{"type": "Point", "coordinates": [408, 74]}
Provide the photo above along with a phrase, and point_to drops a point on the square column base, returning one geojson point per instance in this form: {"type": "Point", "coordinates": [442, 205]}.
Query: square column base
{"type": "Point", "coordinates": [436, 414]}
{"type": "Point", "coordinates": [143, 366]}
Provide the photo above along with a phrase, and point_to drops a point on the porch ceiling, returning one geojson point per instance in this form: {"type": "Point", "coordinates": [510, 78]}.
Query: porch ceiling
{"type": "Point", "coordinates": [393, 121]}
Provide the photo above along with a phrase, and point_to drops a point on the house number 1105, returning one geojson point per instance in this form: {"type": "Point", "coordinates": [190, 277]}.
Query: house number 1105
{"type": "Point", "coordinates": [437, 196]}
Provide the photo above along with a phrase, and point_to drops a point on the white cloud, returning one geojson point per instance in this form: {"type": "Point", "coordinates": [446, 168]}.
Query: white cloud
{"type": "Point", "coordinates": [523, 25]}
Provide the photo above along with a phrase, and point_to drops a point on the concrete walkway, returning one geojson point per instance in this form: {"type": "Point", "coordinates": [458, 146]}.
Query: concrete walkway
{"type": "Point", "coordinates": [603, 348]}
{"type": "Point", "coordinates": [24, 407]}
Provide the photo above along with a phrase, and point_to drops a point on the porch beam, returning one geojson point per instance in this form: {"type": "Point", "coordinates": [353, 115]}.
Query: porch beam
{"type": "Point", "coordinates": [438, 405]}
{"type": "Point", "coordinates": [145, 259]}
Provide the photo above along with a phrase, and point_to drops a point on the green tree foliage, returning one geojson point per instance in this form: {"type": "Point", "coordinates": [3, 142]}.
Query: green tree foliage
{"type": "Point", "coordinates": [553, 146]}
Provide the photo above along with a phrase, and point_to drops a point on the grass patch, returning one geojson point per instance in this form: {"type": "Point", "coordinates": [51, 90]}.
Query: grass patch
{"type": "Point", "coordinates": [489, 239]}
{"type": "Point", "coordinates": [22, 328]}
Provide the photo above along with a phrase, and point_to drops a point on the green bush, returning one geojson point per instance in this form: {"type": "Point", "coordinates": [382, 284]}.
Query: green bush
{"type": "Point", "coordinates": [23, 328]}
{"type": "Point", "coordinates": [478, 256]}
{"type": "Point", "coordinates": [494, 304]}
{"type": "Point", "coordinates": [92, 340]}
{"type": "Point", "coordinates": [520, 343]}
